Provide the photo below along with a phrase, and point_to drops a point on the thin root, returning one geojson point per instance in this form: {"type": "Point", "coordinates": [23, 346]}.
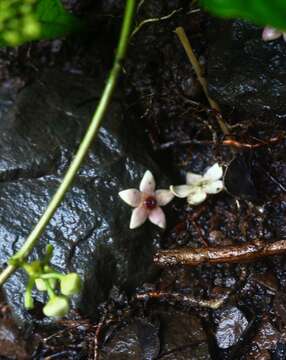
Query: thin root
{"type": "Point", "coordinates": [152, 20]}
{"type": "Point", "coordinates": [229, 142]}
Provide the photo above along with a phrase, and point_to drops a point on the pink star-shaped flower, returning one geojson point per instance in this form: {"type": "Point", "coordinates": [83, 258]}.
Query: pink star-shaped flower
{"type": "Point", "coordinates": [147, 202]}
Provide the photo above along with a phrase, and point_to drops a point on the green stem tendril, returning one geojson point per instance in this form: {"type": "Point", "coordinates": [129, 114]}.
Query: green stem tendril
{"type": "Point", "coordinates": [84, 146]}
{"type": "Point", "coordinates": [50, 291]}
{"type": "Point", "coordinates": [28, 299]}
{"type": "Point", "coordinates": [57, 276]}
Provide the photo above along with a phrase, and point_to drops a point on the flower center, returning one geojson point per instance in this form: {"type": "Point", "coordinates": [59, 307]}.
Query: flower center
{"type": "Point", "coordinates": [150, 203]}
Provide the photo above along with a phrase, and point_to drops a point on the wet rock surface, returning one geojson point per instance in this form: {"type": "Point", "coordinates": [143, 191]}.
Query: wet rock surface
{"type": "Point", "coordinates": [171, 335]}
{"type": "Point", "coordinates": [181, 331]}
{"type": "Point", "coordinates": [12, 343]}
{"type": "Point", "coordinates": [246, 74]}
{"type": "Point", "coordinates": [89, 232]}
{"type": "Point", "coordinates": [161, 93]}
{"type": "Point", "coordinates": [231, 325]}
{"type": "Point", "coordinates": [138, 339]}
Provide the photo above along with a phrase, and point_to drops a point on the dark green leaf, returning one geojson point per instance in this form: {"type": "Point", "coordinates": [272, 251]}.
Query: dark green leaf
{"type": "Point", "coordinates": [261, 12]}
{"type": "Point", "coordinates": [55, 21]}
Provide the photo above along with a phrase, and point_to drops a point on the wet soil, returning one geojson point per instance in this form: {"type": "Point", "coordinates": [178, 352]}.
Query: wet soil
{"type": "Point", "coordinates": [159, 90]}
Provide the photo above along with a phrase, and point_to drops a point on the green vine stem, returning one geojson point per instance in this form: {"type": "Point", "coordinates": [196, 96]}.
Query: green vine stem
{"type": "Point", "coordinates": [83, 148]}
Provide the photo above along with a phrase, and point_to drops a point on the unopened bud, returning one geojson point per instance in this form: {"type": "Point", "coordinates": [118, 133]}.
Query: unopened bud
{"type": "Point", "coordinates": [57, 306]}
{"type": "Point", "coordinates": [71, 284]}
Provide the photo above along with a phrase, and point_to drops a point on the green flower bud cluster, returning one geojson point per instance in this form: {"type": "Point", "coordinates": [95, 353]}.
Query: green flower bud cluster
{"type": "Point", "coordinates": [59, 287]}
{"type": "Point", "coordinates": [18, 22]}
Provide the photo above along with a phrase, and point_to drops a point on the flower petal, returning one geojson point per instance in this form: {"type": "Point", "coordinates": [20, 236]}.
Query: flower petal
{"type": "Point", "coordinates": [213, 173]}
{"type": "Point", "coordinates": [270, 33]}
{"type": "Point", "coordinates": [147, 183]}
{"type": "Point", "coordinates": [132, 197]}
{"type": "Point", "coordinates": [193, 179]}
{"type": "Point", "coordinates": [213, 187]}
{"type": "Point", "coordinates": [163, 197]}
{"type": "Point", "coordinates": [138, 217]}
{"type": "Point", "coordinates": [158, 217]}
{"type": "Point", "coordinates": [181, 191]}
{"type": "Point", "coordinates": [196, 197]}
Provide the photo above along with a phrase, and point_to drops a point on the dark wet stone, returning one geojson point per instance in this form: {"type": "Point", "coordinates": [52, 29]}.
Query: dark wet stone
{"type": "Point", "coordinates": [276, 217]}
{"type": "Point", "coordinates": [279, 305]}
{"type": "Point", "coordinates": [231, 325]}
{"type": "Point", "coordinates": [182, 337]}
{"type": "Point", "coordinates": [245, 73]}
{"type": "Point", "coordinates": [176, 335]}
{"type": "Point", "coordinates": [12, 344]}
{"type": "Point", "coordinates": [199, 352]}
{"type": "Point", "coordinates": [258, 355]}
{"type": "Point", "coordinates": [240, 168]}
{"type": "Point", "coordinates": [138, 339]}
{"type": "Point", "coordinates": [265, 342]}
{"type": "Point", "coordinates": [267, 336]}
{"type": "Point", "coordinates": [280, 351]}
{"type": "Point", "coordinates": [217, 237]}
{"type": "Point", "coordinates": [267, 280]}
{"type": "Point", "coordinates": [90, 231]}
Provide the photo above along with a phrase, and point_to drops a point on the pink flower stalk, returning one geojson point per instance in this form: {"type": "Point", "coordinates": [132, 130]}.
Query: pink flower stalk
{"type": "Point", "coordinates": [147, 202]}
{"type": "Point", "coordinates": [269, 34]}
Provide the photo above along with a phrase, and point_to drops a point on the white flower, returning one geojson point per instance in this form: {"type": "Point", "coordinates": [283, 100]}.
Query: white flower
{"type": "Point", "coordinates": [147, 202]}
{"type": "Point", "coordinates": [198, 186]}
{"type": "Point", "coordinates": [269, 34]}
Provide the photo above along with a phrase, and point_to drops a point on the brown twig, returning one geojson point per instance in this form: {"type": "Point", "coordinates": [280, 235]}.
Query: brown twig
{"type": "Point", "coordinates": [183, 298]}
{"type": "Point", "coordinates": [218, 255]}
{"type": "Point", "coordinates": [202, 80]}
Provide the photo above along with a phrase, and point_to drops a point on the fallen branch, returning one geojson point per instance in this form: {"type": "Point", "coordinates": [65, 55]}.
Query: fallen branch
{"type": "Point", "coordinates": [218, 255]}
{"type": "Point", "coordinates": [183, 298]}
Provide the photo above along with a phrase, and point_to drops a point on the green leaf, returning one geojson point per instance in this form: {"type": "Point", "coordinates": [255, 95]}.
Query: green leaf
{"type": "Point", "coordinates": [54, 20]}
{"type": "Point", "coordinates": [261, 12]}
{"type": "Point", "coordinates": [26, 20]}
